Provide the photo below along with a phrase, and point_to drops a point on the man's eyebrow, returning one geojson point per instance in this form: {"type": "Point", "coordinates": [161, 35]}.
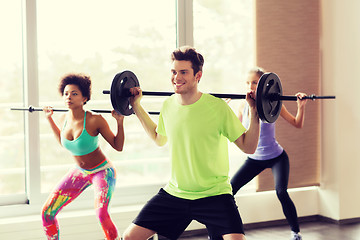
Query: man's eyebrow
{"type": "Point", "coordinates": [181, 70]}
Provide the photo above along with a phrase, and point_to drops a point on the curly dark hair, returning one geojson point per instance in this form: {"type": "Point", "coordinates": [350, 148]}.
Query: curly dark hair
{"type": "Point", "coordinates": [187, 53]}
{"type": "Point", "coordinates": [83, 81]}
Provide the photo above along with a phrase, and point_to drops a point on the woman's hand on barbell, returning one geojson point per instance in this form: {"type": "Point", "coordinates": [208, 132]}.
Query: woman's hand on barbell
{"type": "Point", "coordinates": [118, 116]}
{"type": "Point", "coordinates": [250, 98]}
{"type": "Point", "coordinates": [300, 101]}
{"type": "Point", "coordinates": [48, 111]}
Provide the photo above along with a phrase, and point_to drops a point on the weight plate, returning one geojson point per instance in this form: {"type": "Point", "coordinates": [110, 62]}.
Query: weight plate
{"type": "Point", "coordinates": [268, 107]}
{"type": "Point", "coordinates": [119, 92]}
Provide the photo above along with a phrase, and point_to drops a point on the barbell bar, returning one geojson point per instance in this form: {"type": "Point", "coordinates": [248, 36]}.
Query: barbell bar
{"type": "Point", "coordinates": [37, 109]}
{"type": "Point", "coordinates": [294, 98]}
{"type": "Point", "coordinates": [268, 95]}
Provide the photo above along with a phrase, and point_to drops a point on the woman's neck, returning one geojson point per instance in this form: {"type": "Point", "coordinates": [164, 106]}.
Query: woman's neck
{"type": "Point", "coordinates": [77, 113]}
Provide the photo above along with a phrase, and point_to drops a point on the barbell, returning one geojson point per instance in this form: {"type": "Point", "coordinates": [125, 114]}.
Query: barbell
{"type": "Point", "coordinates": [37, 109]}
{"type": "Point", "coordinates": [268, 95]}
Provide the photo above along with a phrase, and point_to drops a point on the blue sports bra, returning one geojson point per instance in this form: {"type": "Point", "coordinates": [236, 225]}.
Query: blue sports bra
{"type": "Point", "coordinates": [82, 145]}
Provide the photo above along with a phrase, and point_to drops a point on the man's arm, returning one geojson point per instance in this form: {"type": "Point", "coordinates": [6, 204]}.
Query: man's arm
{"type": "Point", "coordinates": [148, 124]}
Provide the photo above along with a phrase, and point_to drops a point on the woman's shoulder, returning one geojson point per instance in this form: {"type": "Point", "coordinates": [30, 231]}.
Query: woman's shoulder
{"type": "Point", "coordinates": [94, 118]}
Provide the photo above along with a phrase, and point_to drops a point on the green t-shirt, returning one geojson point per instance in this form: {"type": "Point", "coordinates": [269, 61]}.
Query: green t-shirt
{"type": "Point", "coordinates": [197, 136]}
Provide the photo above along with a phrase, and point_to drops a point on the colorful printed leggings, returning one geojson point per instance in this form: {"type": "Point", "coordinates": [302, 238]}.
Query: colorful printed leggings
{"type": "Point", "coordinates": [70, 187]}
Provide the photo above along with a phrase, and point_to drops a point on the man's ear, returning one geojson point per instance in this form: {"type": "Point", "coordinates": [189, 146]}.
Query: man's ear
{"type": "Point", "coordinates": [198, 75]}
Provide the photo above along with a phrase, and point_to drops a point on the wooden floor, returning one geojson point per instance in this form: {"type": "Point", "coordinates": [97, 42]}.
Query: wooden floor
{"type": "Point", "coordinates": [310, 231]}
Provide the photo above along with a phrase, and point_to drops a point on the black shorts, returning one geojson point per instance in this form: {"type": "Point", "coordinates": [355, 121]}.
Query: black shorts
{"type": "Point", "coordinates": [169, 216]}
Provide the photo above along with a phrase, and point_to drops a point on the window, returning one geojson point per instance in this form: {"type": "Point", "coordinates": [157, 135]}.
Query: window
{"type": "Point", "coordinates": [12, 153]}
{"type": "Point", "coordinates": [102, 39]}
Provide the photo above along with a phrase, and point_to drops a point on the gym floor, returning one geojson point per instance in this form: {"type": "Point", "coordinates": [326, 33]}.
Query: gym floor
{"type": "Point", "coordinates": [310, 230]}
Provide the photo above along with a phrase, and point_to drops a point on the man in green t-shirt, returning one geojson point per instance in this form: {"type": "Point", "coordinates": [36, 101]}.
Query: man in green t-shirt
{"type": "Point", "coordinates": [197, 126]}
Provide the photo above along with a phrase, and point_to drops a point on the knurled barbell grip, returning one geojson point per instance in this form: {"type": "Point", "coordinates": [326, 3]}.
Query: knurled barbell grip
{"type": "Point", "coordinates": [313, 97]}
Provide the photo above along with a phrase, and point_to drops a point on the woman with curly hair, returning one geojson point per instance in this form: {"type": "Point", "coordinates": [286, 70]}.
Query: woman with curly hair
{"type": "Point", "coordinates": [78, 132]}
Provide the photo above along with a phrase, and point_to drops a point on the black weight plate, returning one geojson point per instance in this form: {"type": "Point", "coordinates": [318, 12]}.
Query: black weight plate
{"type": "Point", "coordinates": [119, 92]}
{"type": "Point", "coordinates": [268, 107]}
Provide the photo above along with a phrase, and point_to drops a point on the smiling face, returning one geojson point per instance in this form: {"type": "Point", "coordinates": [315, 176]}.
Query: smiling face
{"type": "Point", "coordinates": [73, 97]}
{"type": "Point", "coordinates": [183, 79]}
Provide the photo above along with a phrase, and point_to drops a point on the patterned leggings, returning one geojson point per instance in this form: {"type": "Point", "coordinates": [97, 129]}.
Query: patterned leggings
{"type": "Point", "coordinates": [70, 187]}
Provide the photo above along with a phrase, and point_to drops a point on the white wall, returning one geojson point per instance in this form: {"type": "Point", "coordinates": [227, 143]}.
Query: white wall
{"type": "Point", "coordinates": [340, 190]}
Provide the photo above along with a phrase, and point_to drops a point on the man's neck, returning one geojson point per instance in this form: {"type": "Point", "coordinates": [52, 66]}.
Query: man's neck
{"type": "Point", "coordinates": [189, 98]}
